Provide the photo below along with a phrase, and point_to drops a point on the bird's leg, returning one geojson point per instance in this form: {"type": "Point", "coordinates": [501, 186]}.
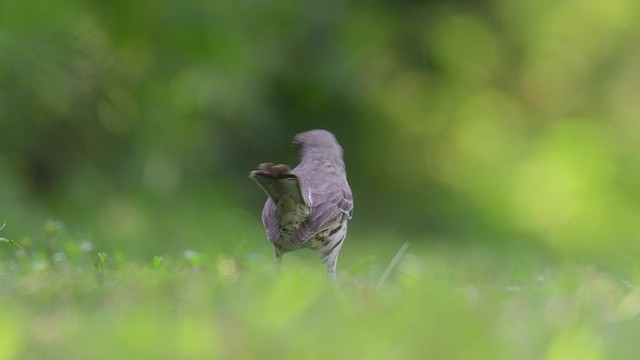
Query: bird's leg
{"type": "Point", "coordinates": [278, 257]}
{"type": "Point", "coordinates": [331, 270]}
{"type": "Point", "coordinates": [331, 261]}
{"type": "Point", "coordinates": [330, 258]}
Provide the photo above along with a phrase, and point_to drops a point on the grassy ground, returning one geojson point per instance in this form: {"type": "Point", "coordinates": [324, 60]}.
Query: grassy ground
{"type": "Point", "coordinates": [70, 301]}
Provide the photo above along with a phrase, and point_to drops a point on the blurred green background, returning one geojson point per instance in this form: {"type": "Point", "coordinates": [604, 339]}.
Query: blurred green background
{"type": "Point", "coordinates": [496, 122]}
{"type": "Point", "coordinates": [500, 138]}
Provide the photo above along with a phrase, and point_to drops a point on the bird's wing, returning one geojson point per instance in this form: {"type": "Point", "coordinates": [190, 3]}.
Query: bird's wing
{"type": "Point", "coordinates": [270, 221]}
{"type": "Point", "coordinates": [326, 209]}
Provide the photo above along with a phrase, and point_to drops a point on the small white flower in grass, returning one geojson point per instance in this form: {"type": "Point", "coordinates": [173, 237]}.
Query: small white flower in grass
{"type": "Point", "coordinates": [86, 246]}
{"type": "Point", "coordinates": [59, 257]}
{"type": "Point", "coordinates": [189, 254]}
{"type": "Point", "coordinates": [193, 257]}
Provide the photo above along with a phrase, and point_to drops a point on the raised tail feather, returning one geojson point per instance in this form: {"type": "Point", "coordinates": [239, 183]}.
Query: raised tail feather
{"type": "Point", "coordinates": [277, 181]}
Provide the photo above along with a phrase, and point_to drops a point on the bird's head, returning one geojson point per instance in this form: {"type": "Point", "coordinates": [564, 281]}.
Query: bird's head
{"type": "Point", "coordinates": [317, 144]}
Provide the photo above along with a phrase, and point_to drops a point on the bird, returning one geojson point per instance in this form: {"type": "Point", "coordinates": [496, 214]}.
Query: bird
{"type": "Point", "coordinates": [308, 207]}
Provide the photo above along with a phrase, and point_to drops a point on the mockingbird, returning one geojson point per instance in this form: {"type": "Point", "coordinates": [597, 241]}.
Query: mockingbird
{"type": "Point", "coordinates": [309, 206]}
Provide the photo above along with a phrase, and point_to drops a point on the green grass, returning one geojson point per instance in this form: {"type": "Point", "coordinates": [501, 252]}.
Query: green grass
{"type": "Point", "coordinates": [66, 300]}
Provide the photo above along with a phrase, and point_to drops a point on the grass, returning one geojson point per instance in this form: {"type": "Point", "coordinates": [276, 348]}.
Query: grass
{"type": "Point", "coordinates": [67, 300]}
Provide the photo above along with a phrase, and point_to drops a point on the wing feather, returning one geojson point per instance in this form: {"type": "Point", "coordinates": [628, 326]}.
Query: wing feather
{"type": "Point", "coordinates": [270, 221]}
{"type": "Point", "coordinates": [329, 208]}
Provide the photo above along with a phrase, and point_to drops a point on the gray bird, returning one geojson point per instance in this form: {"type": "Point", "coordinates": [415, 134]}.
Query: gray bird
{"type": "Point", "coordinates": [309, 206]}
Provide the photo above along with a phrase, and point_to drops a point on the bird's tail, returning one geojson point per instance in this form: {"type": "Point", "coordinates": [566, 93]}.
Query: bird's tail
{"type": "Point", "coordinates": [277, 181]}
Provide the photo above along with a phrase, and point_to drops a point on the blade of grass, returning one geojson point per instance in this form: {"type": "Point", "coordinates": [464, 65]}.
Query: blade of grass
{"type": "Point", "coordinates": [15, 244]}
{"type": "Point", "coordinates": [392, 264]}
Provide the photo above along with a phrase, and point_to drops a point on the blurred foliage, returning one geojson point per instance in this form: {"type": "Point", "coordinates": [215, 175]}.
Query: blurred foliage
{"type": "Point", "coordinates": [136, 122]}
{"type": "Point", "coordinates": [499, 137]}
{"type": "Point", "coordinates": [448, 303]}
